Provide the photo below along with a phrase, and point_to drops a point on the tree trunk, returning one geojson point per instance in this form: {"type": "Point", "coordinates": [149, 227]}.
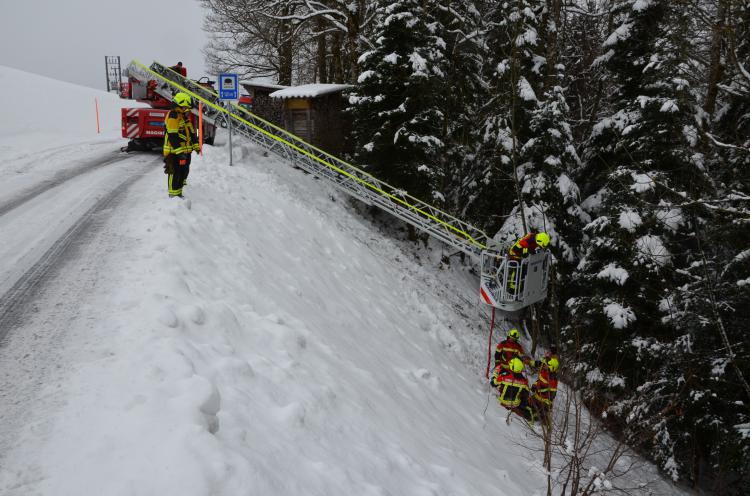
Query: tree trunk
{"type": "Point", "coordinates": [321, 52]}
{"type": "Point", "coordinates": [336, 71]}
{"type": "Point", "coordinates": [352, 35]}
{"type": "Point", "coordinates": [716, 67]}
{"type": "Point", "coordinates": [285, 50]}
{"type": "Point", "coordinates": [551, 31]}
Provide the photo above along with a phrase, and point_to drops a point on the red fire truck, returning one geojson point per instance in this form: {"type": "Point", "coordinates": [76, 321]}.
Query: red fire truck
{"type": "Point", "coordinates": [246, 102]}
{"type": "Point", "coordinates": [144, 127]}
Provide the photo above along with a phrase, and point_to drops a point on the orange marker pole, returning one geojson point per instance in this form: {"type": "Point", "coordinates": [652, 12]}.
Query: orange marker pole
{"type": "Point", "coordinates": [200, 125]}
{"type": "Point", "coordinates": [96, 102]}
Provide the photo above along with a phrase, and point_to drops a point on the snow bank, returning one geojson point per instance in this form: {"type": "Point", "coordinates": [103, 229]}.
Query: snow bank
{"type": "Point", "coordinates": [266, 341]}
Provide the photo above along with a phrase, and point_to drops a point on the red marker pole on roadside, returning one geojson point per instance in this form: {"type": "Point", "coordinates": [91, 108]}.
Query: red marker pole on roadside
{"type": "Point", "coordinates": [200, 126]}
{"type": "Point", "coordinates": [96, 103]}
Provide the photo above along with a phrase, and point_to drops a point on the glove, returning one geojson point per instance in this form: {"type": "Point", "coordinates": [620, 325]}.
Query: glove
{"type": "Point", "coordinates": [196, 147]}
{"type": "Point", "coordinates": [169, 164]}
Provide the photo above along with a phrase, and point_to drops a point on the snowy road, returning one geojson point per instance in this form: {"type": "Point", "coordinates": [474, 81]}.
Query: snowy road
{"type": "Point", "coordinates": [41, 220]}
{"type": "Point", "coordinates": [20, 197]}
{"type": "Point", "coordinates": [54, 239]}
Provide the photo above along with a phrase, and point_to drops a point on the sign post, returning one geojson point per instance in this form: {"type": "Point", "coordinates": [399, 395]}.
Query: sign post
{"type": "Point", "coordinates": [229, 90]}
{"type": "Point", "coordinates": [200, 125]}
{"type": "Point", "coordinates": [96, 103]}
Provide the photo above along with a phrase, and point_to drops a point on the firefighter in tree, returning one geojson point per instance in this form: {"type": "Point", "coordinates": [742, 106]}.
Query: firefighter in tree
{"type": "Point", "coordinates": [180, 141]}
{"type": "Point", "coordinates": [508, 349]}
{"type": "Point", "coordinates": [544, 389]}
{"type": "Point", "coordinates": [522, 248]}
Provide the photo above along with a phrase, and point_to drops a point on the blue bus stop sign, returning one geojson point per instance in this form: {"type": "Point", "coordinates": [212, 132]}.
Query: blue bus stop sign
{"type": "Point", "coordinates": [229, 88]}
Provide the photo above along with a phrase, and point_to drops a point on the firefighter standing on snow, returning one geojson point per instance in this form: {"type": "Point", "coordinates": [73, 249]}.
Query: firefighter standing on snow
{"type": "Point", "coordinates": [179, 142]}
{"type": "Point", "coordinates": [508, 349]}
{"type": "Point", "coordinates": [513, 389]}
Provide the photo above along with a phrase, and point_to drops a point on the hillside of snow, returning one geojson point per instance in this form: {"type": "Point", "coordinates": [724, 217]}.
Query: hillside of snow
{"type": "Point", "coordinates": [54, 113]}
{"type": "Point", "coordinates": [264, 338]}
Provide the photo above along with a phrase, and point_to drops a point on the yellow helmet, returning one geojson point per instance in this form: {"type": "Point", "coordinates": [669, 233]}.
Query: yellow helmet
{"type": "Point", "coordinates": [183, 100]}
{"type": "Point", "coordinates": [515, 365]}
{"type": "Point", "coordinates": [542, 239]}
{"type": "Point", "coordinates": [513, 334]}
{"type": "Point", "coordinates": [553, 364]}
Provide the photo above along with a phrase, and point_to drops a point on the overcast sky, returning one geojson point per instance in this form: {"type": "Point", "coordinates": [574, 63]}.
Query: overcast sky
{"type": "Point", "coordinates": [68, 39]}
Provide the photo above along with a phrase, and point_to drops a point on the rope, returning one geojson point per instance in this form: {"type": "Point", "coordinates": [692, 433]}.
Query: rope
{"type": "Point", "coordinates": [489, 345]}
{"type": "Point", "coordinates": [486, 405]}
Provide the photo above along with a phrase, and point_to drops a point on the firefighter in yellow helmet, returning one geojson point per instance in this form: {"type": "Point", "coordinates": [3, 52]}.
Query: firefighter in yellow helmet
{"type": "Point", "coordinates": [513, 389]}
{"type": "Point", "coordinates": [508, 349]}
{"type": "Point", "coordinates": [522, 248]}
{"type": "Point", "coordinates": [544, 389]}
{"type": "Point", "coordinates": [528, 244]}
{"type": "Point", "coordinates": [180, 141]}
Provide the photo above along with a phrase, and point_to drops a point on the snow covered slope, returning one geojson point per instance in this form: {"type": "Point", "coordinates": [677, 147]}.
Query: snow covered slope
{"type": "Point", "coordinates": [47, 125]}
{"type": "Point", "coordinates": [52, 112]}
{"type": "Point", "coordinates": [265, 341]}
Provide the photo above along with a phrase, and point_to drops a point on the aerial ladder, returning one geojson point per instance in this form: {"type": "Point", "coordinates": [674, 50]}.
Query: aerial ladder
{"type": "Point", "coordinates": [506, 284]}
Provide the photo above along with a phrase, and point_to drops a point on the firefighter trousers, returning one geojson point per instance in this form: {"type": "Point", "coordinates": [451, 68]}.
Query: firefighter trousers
{"type": "Point", "coordinates": [178, 168]}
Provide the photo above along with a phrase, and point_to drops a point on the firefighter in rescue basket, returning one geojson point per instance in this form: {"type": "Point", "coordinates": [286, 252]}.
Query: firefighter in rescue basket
{"type": "Point", "coordinates": [522, 248]}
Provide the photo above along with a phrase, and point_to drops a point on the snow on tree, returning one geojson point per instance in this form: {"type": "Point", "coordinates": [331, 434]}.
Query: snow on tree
{"type": "Point", "coordinates": [460, 101]}
{"type": "Point", "coordinates": [396, 104]}
{"type": "Point", "coordinates": [292, 41]}
{"type": "Point", "coordinates": [514, 72]}
{"type": "Point", "coordinates": [709, 306]}
{"type": "Point", "coordinates": [529, 152]}
{"type": "Point", "coordinates": [643, 165]}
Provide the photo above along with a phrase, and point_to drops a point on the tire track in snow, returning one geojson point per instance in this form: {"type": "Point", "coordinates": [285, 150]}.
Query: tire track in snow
{"type": "Point", "coordinates": [13, 304]}
{"type": "Point", "coordinates": [59, 179]}
{"type": "Point", "coordinates": [43, 303]}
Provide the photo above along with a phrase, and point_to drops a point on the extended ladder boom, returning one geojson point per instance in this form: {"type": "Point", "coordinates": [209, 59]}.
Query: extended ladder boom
{"type": "Point", "coordinates": [343, 175]}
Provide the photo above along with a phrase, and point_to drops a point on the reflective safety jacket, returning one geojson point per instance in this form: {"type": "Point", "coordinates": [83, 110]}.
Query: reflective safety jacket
{"type": "Point", "coordinates": [545, 387]}
{"type": "Point", "coordinates": [506, 350]}
{"type": "Point", "coordinates": [523, 247]}
{"type": "Point", "coordinates": [512, 387]}
{"type": "Point", "coordinates": [180, 135]}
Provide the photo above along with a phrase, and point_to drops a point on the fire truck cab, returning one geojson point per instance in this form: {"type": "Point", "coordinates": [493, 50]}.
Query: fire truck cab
{"type": "Point", "coordinates": [246, 102]}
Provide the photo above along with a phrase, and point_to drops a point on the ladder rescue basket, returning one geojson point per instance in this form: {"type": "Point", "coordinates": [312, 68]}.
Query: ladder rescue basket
{"type": "Point", "coordinates": [510, 284]}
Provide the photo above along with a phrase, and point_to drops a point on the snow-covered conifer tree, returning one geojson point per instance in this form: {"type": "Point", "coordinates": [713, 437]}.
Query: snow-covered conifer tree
{"type": "Point", "coordinates": [709, 305]}
{"type": "Point", "coordinates": [529, 146]}
{"type": "Point", "coordinates": [460, 100]}
{"type": "Point", "coordinates": [642, 166]}
{"type": "Point", "coordinates": [514, 66]}
{"type": "Point", "coordinates": [551, 198]}
{"type": "Point", "coordinates": [395, 106]}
